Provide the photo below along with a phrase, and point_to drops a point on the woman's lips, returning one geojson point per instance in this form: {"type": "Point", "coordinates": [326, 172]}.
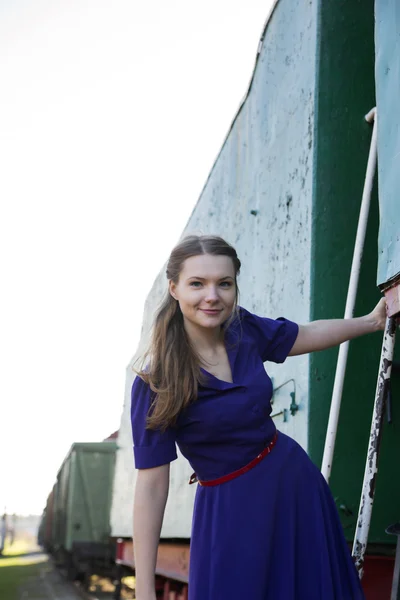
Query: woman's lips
{"type": "Point", "coordinates": [210, 311]}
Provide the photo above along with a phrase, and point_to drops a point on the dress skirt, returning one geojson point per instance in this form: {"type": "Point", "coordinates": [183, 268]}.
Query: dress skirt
{"type": "Point", "coordinates": [272, 533]}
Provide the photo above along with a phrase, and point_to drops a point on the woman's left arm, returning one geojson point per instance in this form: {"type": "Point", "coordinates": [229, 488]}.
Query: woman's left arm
{"type": "Point", "coordinates": [320, 335]}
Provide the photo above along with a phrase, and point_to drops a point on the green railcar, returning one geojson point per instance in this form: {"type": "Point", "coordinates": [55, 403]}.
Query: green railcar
{"type": "Point", "coordinates": [81, 509]}
{"type": "Point", "coordinates": [46, 531]}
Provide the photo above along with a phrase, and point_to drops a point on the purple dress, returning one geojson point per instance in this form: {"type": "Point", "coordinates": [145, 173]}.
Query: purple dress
{"type": "Point", "coordinates": [272, 533]}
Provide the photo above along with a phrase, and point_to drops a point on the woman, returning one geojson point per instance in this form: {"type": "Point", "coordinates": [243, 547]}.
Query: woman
{"type": "Point", "coordinates": [265, 526]}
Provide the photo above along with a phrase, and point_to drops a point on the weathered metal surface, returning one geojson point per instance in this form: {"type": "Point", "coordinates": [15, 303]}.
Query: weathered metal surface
{"type": "Point", "coordinates": [82, 495]}
{"type": "Point", "coordinates": [392, 296]}
{"type": "Point", "coordinates": [371, 466]}
{"type": "Point", "coordinates": [257, 196]}
{"type": "Point", "coordinates": [377, 579]}
{"type": "Point", "coordinates": [86, 496]}
{"type": "Point", "coordinates": [345, 92]}
{"type": "Point", "coordinates": [172, 559]}
{"type": "Point", "coordinates": [387, 69]}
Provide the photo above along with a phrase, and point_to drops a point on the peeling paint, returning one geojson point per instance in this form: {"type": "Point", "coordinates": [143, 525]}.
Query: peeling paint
{"type": "Point", "coordinates": [371, 467]}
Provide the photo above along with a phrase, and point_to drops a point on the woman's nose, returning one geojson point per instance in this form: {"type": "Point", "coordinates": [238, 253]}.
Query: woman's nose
{"type": "Point", "coordinates": [211, 293]}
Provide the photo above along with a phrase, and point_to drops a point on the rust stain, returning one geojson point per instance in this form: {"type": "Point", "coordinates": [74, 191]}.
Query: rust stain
{"type": "Point", "coordinates": [371, 469]}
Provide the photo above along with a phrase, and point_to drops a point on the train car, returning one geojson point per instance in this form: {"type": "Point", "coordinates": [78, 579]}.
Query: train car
{"type": "Point", "coordinates": [286, 190]}
{"type": "Point", "coordinates": [45, 532]}
{"type": "Point", "coordinates": [76, 522]}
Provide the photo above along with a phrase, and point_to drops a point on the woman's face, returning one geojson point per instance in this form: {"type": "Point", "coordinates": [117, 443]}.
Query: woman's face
{"type": "Point", "coordinates": [206, 290]}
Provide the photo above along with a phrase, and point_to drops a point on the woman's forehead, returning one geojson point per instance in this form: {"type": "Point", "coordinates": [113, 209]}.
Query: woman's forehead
{"type": "Point", "coordinates": [208, 266]}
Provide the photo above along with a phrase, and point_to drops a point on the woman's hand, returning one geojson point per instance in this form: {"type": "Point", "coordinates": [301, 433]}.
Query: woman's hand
{"type": "Point", "coordinates": [379, 314]}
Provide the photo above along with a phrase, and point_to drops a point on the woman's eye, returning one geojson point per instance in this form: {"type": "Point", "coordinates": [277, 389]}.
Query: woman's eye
{"type": "Point", "coordinates": [197, 284]}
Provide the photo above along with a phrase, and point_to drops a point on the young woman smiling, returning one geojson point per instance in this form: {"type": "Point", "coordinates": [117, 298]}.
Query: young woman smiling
{"type": "Point", "coordinates": [262, 508]}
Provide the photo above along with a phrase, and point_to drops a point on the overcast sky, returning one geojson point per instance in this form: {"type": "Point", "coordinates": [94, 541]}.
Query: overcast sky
{"type": "Point", "coordinates": [111, 116]}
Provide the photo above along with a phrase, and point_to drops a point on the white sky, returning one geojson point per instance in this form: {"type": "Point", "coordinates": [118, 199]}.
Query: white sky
{"type": "Point", "coordinates": [111, 116]}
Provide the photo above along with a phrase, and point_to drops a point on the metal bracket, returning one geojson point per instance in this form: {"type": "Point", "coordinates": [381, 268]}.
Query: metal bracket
{"type": "Point", "coordinates": [293, 406]}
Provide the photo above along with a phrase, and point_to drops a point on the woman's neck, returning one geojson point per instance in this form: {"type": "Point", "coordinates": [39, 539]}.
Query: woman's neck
{"type": "Point", "coordinates": [204, 340]}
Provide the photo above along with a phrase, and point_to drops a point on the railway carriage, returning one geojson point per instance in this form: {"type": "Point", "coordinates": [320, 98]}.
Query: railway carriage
{"type": "Point", "coordinates": [286, 190]}
{"type": "Point", "coordinates": [75, 527]}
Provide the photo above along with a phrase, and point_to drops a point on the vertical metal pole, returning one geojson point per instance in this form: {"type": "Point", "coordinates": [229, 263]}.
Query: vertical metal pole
{"type": "Point", "coordinates": [371, 466]}
{"type": "Point", "coordinates": [350, 302]}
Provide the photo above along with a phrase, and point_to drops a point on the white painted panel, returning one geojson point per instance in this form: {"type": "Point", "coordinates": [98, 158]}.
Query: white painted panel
{"type": "Point", "coordinates": [258, 197]}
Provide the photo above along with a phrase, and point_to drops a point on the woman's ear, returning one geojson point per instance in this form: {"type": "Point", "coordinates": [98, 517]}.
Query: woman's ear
{"type": "Point", "coordinates": [172, 289]}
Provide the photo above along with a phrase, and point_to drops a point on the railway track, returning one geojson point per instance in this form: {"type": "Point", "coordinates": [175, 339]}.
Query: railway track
{"type": "Point", "coordinates": [102, 589]}
{"type": "Point", "coordinates": [91, 595]}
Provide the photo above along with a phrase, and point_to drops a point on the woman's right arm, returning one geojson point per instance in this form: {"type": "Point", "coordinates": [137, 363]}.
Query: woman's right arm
{"type": "Point", "coordinates": [151, 494]}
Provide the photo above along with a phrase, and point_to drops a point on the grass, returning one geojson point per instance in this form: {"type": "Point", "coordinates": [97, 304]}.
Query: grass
{"type": "Point", "coordinates": [20, 546]}
{"type": "Point", "coordinates": [11, 577]}
{"type": "Point", "coordinates": [24, 560]}
{"type": "Point", "coordinates": [18, 563]}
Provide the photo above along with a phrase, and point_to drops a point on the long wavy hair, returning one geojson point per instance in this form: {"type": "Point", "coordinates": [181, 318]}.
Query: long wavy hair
{"type": "Point", "coordinates": [172, 364]}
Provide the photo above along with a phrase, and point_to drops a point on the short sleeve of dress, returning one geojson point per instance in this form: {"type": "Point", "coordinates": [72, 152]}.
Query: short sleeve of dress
{"type": "Point", "coordinates": [151, 448]}
{"type": "Point", "coordinates": [274, 337]}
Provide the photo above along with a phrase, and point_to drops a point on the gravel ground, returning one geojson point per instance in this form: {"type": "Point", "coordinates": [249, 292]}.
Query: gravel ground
{"type": "Point", "coordinates": [49, 585]}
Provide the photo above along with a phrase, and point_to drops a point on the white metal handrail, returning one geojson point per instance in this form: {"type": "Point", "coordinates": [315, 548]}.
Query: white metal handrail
{"type": "Point", "coordinates": [351, 298]}
{"type": "Point", "coordinates": [371, 464]}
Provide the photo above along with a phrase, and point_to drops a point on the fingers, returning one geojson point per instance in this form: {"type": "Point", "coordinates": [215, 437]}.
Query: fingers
{"type": "Point", "coordinates": [382, 305]}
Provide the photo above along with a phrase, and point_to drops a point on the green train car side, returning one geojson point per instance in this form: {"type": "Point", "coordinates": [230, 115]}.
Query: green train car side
{"type": "Point", "coordinates": [75, 526]}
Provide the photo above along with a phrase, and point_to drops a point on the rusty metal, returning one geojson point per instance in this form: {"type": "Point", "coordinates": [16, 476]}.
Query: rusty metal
{"type": "Point", "coordinates": [119, 551]}
{"type": "Point", "coordinates": [172, 560]}
{"type": "Point", "coordinates": [371, 466]}
{"type": "Point", "coordinates": [392, 296]}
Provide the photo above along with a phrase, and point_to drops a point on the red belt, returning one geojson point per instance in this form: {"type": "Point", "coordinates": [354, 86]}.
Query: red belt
{"type": "Point", "coordinates": [234, 474]}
